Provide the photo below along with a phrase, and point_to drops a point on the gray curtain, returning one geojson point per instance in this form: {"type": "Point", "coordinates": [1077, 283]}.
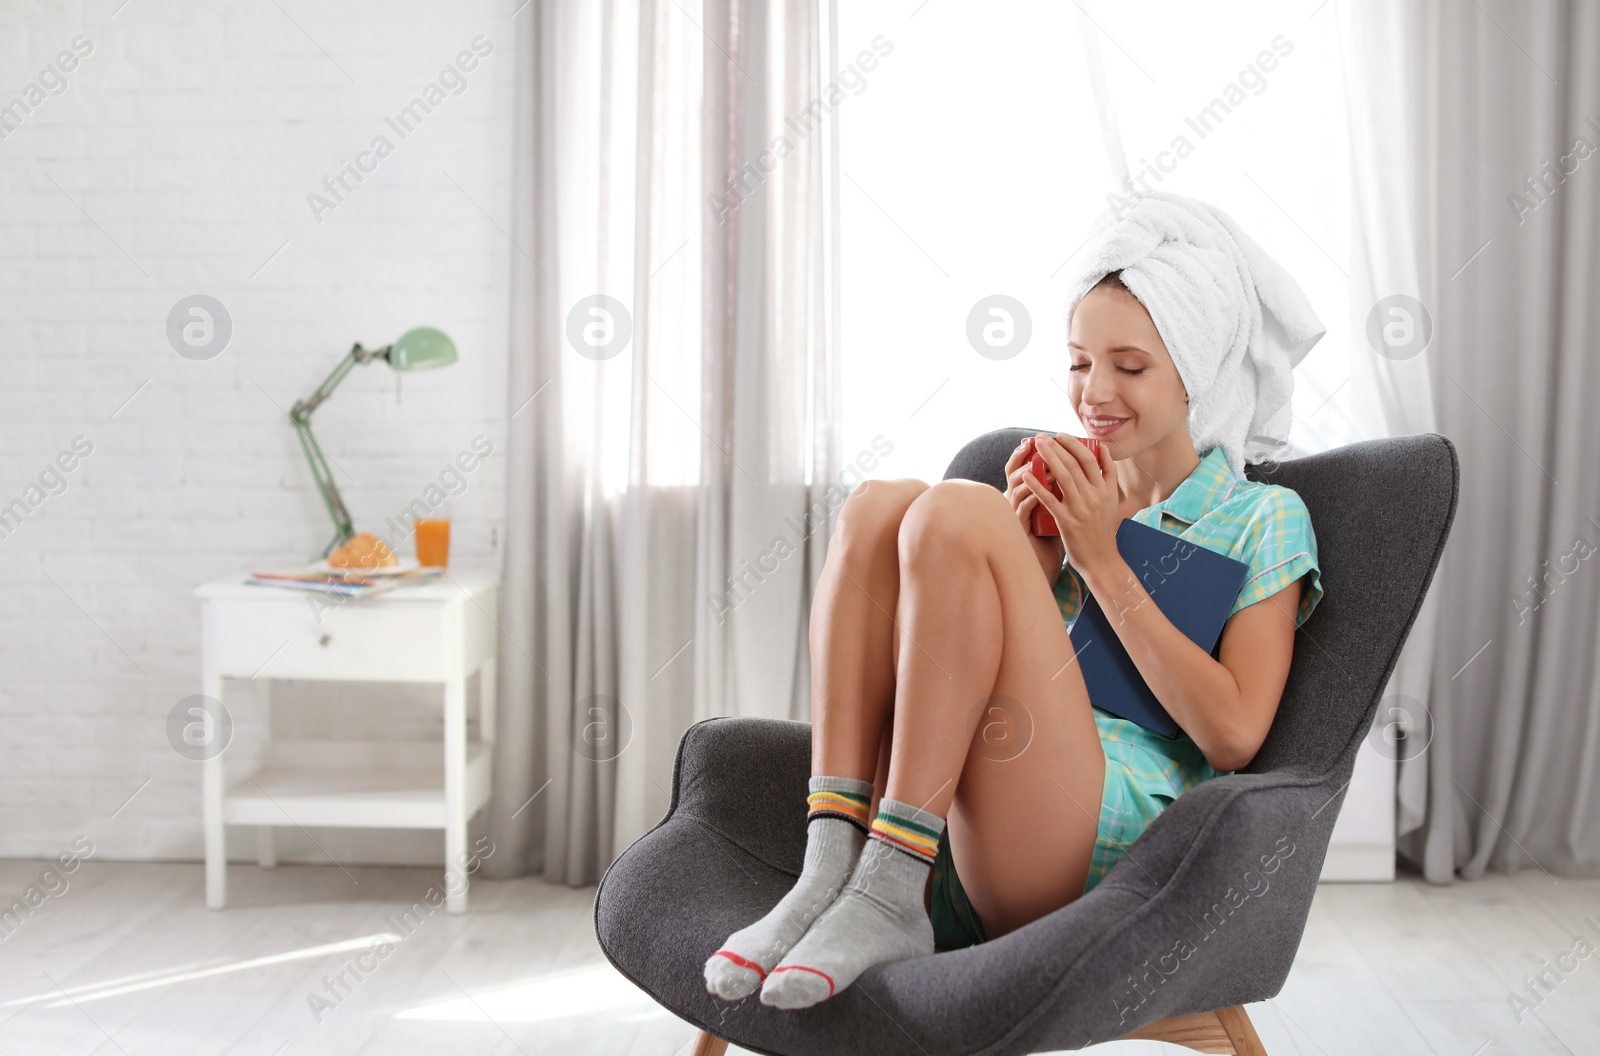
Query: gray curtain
{"type": "Point", "coordinates": [1489, 133]}
{"type": "Point", "coordinates": [673, 395]}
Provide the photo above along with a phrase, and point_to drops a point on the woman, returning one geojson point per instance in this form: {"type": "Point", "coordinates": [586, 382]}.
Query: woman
{"type": "Point", "coordinates": [964, 784]}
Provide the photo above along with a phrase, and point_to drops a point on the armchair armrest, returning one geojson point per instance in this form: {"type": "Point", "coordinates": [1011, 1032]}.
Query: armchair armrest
{"type": "Point", "coordinates": [1226, 876]}
{"type": "Point", "coordinates": [1204, 912]}
{"type": "Point", "coordinates": [746, 779]}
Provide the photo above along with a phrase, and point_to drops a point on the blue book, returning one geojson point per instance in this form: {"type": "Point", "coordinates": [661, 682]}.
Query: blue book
{"type": "Point", "coordinates": [1193, 586]}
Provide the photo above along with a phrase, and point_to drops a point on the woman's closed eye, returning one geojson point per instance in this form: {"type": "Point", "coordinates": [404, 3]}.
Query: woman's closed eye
{"type": "Point", "coordinates": [1125, 370]}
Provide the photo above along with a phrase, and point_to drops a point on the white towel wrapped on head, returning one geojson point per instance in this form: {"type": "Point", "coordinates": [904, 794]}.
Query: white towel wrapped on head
{"type": "Point", "coordinates": [1233, 320]}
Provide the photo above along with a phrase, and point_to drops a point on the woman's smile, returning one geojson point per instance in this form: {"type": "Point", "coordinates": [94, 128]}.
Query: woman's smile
{"type": "Point", "coordinates": [1103, 426]}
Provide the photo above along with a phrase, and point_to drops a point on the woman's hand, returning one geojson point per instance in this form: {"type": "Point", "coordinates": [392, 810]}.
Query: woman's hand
{"type": "Point", "coordinates": [1086, 514]}
{"type": "Point", "coordinates": [1048, 548]}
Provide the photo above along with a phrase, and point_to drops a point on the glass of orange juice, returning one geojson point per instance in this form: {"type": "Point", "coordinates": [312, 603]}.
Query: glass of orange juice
{"type": "Point", "coordinates": [433, 538]}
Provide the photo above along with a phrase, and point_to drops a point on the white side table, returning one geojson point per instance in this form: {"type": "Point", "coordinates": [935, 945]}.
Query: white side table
{"type": "Point", "coordinates": [441, 632]}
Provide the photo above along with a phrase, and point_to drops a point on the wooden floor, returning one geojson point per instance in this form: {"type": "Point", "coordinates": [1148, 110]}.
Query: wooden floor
{"type": "Point", "coordinates": [128, 960]}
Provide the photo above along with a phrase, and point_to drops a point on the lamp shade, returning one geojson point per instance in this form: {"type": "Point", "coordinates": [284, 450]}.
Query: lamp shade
{"type": "Point", "coordinates": [422, 349]}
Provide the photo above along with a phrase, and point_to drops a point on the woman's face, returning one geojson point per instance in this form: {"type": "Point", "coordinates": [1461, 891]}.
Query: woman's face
{"type": "Point", "coordinates": [1121, 370]}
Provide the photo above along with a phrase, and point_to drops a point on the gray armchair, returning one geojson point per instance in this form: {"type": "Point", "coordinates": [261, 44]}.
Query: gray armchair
{"type": "Point", "coordinates": [1202, 915]}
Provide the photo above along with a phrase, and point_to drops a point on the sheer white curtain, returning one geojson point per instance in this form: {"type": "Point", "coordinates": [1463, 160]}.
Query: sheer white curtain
{"type": "Point", "coordinates": [672, 392]}
{"type": "Point", "coordinates": [1478, 124]}
{"type": "Point", "coordinates": [1389, 88]}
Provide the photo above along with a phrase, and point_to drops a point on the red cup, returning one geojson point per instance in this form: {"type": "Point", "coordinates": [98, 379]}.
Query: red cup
{"type": "Point", "coordinates": [1044, 522]}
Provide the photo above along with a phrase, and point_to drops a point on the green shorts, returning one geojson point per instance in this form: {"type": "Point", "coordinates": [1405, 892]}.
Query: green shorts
{"type": "Point", "coordinates": [1144, 773]}
{"type": "Point", "coordinates": [955, 924]}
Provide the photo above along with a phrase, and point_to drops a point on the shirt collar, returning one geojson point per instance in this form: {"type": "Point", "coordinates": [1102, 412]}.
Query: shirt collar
{"type": "Point", "coordinates": [1205, 488]}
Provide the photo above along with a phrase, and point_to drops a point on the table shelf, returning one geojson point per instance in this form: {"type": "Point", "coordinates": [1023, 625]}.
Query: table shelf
{"type": "Point", "coordinates": [375, 784]}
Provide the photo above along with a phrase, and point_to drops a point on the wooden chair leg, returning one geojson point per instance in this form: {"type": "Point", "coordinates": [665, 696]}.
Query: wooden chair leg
{"type": "Point", "coordinates": [1225, 1032]}
{"type": "Point", "coordinates": [708, 1044]}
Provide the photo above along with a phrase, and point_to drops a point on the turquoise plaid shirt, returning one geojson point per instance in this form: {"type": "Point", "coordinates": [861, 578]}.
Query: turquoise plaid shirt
{"type": "Point", "coordinates": [1266, 526]}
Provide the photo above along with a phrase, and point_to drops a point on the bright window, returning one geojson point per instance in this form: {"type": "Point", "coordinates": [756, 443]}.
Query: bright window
{"type": "Point", "coordinates": [974, 161]}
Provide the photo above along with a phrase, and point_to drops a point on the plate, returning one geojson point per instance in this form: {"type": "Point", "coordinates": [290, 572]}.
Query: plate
{"type": "Point", "coordinates": [407, 564]}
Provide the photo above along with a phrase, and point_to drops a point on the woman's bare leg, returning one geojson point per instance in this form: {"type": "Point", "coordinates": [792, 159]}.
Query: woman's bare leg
{"type": "Point", "coordinates": [980, 628]}
{"type": "Point", "coordinates": [854, 644]}
{"type": "Point", "coordinates": [853, 631]}
{"type": "Point", "coordinates": [852, 639]}
{"type": "Point", "coordinates": [867, 691]}
{"type": "Point", "coordinates": [977, 627]}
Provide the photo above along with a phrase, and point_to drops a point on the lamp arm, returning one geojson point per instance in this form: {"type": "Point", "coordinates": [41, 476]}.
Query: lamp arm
{"type": "Point", "coordinates": [300, 415]}
{"type": "Point", "coordinates": [301, 411]}
{"type": "Point", "coordinates": [342, 525]}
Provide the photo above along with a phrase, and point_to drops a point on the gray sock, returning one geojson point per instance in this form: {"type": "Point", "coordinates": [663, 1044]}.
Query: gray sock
{"type": "Point", "coordinates": [878, 918]}
{"type": "Point", "coordinates": [836, 830]}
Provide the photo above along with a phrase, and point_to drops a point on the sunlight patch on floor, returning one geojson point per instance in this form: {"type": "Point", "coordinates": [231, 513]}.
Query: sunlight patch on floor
{"type": "Point", "coordinates": [586, 991]}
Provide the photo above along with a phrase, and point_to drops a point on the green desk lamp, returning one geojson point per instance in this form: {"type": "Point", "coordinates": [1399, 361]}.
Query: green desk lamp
{"type": "Point", "coordinates": [421, 349]}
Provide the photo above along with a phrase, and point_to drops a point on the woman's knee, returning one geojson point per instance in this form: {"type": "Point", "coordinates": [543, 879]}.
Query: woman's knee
{"type": "Point", "coordinates": [873, 511]}
{"type": "Point", "coordinates": [951, 518]}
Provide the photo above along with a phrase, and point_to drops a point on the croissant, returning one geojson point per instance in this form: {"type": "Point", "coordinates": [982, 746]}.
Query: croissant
{"type": "Point", "coordinates": [363, 551]}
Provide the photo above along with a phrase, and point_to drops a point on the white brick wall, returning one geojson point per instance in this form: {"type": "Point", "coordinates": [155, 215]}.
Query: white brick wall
{"type": "Point", "coordinates": [177, 160]}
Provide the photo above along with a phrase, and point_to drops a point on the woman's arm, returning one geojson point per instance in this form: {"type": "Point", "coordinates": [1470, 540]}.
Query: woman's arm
{"type": "Point", "coordinates": [1227, 705]}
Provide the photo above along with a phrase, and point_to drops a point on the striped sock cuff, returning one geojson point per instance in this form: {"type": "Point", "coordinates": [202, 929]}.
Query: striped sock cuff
{"type": "Point", "coordinates": [845, 798]}
{"type": "Point", "coordinates": [908, 829]}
